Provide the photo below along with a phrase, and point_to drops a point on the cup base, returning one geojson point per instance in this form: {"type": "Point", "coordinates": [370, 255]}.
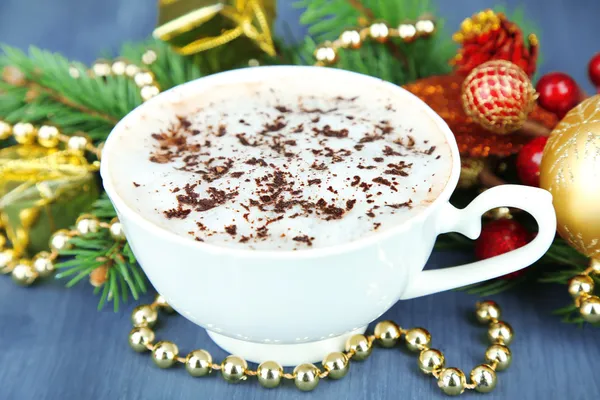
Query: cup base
{"type": "Point", "coordinates": [288, 355]}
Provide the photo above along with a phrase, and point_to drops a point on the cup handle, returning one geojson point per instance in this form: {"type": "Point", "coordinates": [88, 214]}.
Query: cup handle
{"type": "Point", "coordinates": [467, 221]}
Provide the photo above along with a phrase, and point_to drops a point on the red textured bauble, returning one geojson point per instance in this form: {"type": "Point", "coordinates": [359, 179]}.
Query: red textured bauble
{"type": "Point", "coordinates": [499, 237]}
{"type": "Point", "coordinates": [594, 70]}
{"type": "Point", "coordinates": [498, 95]}
{"type": "Point", "coordinates": [529, 160]}
{"type": "Point", "coordinates": [559, 93]}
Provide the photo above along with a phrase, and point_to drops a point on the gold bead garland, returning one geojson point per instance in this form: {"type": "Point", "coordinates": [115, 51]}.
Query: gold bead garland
{"type": "Point", "coordinates": [581, 288]}
{"type": "Point", "coordinates": [327, 53]}
{"type": "Point", "coordinates": [452, 381]}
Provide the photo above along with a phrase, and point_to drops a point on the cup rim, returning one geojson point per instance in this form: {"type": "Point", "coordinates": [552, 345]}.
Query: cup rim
{"type": "Point", "coordinates": [249, 74]}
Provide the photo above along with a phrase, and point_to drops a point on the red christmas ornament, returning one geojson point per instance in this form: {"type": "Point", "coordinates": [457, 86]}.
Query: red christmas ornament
{"type": "Point", "coordinates": [499, 237]}
{"type": "Point", "coordinates": [498, 95]}
{"type": "Point", "coordinates": [594, 71]}
{"type": "Point", "coordinates": [528, 161]}
{"type": "Point", "coordinates": [559, 93]}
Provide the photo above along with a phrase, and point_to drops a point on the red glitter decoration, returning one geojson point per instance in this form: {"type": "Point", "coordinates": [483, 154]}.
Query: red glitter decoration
{"type": "Point", "coordinates": [594, 71]}
{"type": "Point", "coordinates": [499, 237]}
{"type": "Point", "coordinates": [529, 160]}
{"type": "Point", "coordinates": [443, 94]}
{"type": "Point", "coordinates": [499, 96]}
{"type": "Point", "coordinates": [559, 93]}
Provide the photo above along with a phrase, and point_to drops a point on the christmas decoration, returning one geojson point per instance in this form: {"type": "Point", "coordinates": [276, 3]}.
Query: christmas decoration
{"type": "Point", "coordinates": [487, 36]}
{"type": "Point", "coordinates": [306, 377]}
{"type": "Point", "coordinates": [558, 93]}
{"type": "Point", "coordinates": [498, 95]}
{"type": "Point", "coordinates": [594, 71]}
{"type": "Point", "coordinates": [499, 237]}
{"type": "Point", "coordinates": [194, 26]}
{"type": "Point", "coordinates": [529, 160]}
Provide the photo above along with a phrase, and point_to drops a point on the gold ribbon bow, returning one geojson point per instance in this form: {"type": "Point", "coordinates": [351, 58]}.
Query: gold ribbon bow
{"type": "Point", "coordinates": [247, 17]}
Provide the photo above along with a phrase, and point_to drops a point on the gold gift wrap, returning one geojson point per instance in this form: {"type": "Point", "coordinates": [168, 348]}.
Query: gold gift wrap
{"type": "Point", "coordinates": [42, 190]}
{"type": "Point", "coordinates": [194, 26]}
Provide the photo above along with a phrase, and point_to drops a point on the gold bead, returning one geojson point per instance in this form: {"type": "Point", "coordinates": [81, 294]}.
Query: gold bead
{"type": "Point", "coordinates": [5, 130]}
{"type": "Point", "coordinates": [487, 311]}
{"type": "Point", "coordinates": [351, 39]}
{"type": "Point", "coordinates": [23, 273]}
{"type": "Point", "coordinates": [131, 70]}
{"type": "Point", "coordinates": [387, 333]}
{"type": "Point", "coordinates": [326, 53]}
{"type": "Point", "coordinates": [379, 31]}
{"type": "Point", "coordinates": [77, 143]}
{"type": "Point", "coordinates": [43, 264]}
{"type": "Point", "coordinates": [87, 223]}
{"type": "Point", "coordinates": [452, 381]}
{"type": "Point", "coordinates": [144, 315]}
{"type": "Point", "coordinates": [360, 345]}
{"type": "Point", "coordinates": [269, 374]}
{"type": "Point", "coordinates": [162, 303]}
{"type": "Point", "coordinates": [140, 338]}
{"type": "Point", "coordinates": [101, 68]}
{"type": "Point", "coordinates": [590, 309]}
{"type": "Point", "coordinates": [149, 57]}
{"type": "Point", "coordinates": [233, 369]}
{"type": "Point", "coordinates": [336, 364]}
{"type": "Point", "coordinates": [60, 240]}
{"type": "Point", "coordinates": [74, 72]}
{"type": "Point", "coordinates": [580, 284]}
{"type": "Point", "coordinates": [164, 354]}
{"type": "Point", "coordinates": [425, 27]}
{"type": "Point", "coordinates": [595, 265]}
{"type": "Point", "coordinates": [6, 261]}
{"type": "Point", "coordinates": [407, 32]}
{"type": "Point", "coordinates": [198, 363]}
{"type": "Point", "coordinates": [118, 67]}
{"type": "Point", "coordinates": [484, 378]}
{"type": "Point", "coordinates": [500, 332]}
{"type": "Point", "coordinates": [499, 353]}
{"type": "Point", "coordinates": [116, 230]}
{"type": "Point", "coordinates": [431, 360]}
{"type": "Point", "coordinates": [417, 339]}
{"type": "Point", "coordinates": [24, 133]}
{"type": "Point", "coordinates": [306, 377]}
{"type": "Point", "coordinates": [253, 62]}
{"type": "Point", "coordinates": [143, 78]}
{"type": "Point", "coordinates": [148, 92]}
{"type": "Point", "coordinates": [48, 136]}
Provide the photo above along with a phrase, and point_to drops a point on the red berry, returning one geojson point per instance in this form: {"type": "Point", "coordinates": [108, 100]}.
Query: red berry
{"type": "Point", "coordinates": [528, 161]}
{"type": "Point", "coordinates": [559, 93]}
{"type": "Point", "coordinates": [594, 70]}
{"type": "Point", "coordinates": [499, 237]}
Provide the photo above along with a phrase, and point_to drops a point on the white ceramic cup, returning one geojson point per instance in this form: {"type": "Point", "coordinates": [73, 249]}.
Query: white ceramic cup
{"type": "Point", "coordinates": [297, 306]}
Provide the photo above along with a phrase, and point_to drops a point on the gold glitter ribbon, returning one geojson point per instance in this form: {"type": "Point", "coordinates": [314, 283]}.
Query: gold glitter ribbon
{"type": "Point", "coordinates": [181, 19]}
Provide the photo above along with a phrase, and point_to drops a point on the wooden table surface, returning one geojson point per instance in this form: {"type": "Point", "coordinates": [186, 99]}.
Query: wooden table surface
{"type": "Point", "coordinates": [55, 345]}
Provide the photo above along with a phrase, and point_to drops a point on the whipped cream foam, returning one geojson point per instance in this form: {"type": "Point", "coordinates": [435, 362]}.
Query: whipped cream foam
{"type": "Point", "coordinates": [282, 165]}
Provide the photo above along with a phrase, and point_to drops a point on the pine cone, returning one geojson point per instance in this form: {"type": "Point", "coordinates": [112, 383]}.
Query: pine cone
{"type": "Point", "coordinates": [490, 36]}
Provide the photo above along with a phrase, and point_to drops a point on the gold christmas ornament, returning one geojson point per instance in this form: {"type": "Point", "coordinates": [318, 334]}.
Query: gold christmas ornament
{"type": "Point", "coordinates": [431, 360]}
{"type": "Point", "coordinates": [5, 130]}
{"type": "Point", "coordinates": [269, 374]}
{"type": "Point", "coordinates": [43, 264]}
{"type": "Point", "coordinates": [233, 369]}
{"type": "Point", "coordinates": [326, 53]}
{"type": "Point", "coordinates": [148, 92]}
{"type": "Point", "coordinates": [6, 261]}
{"type": "Point", "coordinates": [500, 332]}
{"type": "Point", "coordinates": [581, 285]}
{"type": "Point", "coordinates": [194, 26]}
{"type": "Point", "coordinates": [164, 354]}
{"type": "Point", "coordinates": [160, 301]}
{"type": "Point", "coordinates": [487, 311]}
{"type": "Point", "coordinates": [499, 355]}
{"type": "Point", "coordinates": [87, 223]}
{"type": "Point", "coordinates": [570, 170]}
{"type": "Point", "coordinates": [198, 363]}
{"type": "Point", "coordinates": [306, 377]}
{"type": "Point", "coordinates": [484, 378]}
{"type": "Point", "coordinates": [144, 316]}
{"type": "Point", "coordinates": [24, 133]}
{"type": "Point", "coordinates": [23, 273]}
{"type": "Point", "coordinates": [589, 309]}
{"type": "Point", "coordinates": [48, 136]}
{"type": "Point", "coordinates": [351, 39]}
{"type": "Point", "coordinates": [417, 339]}
{"type": "Point", "coordinates": [77, 143]}
{"type": "Point", "coordinates": [407, 32]}
{"type": "Point", "coordinates": [379, 31]}
{"type": "Point", "coordinates": [140, 338]}
{"type": "Point", "coordinates": [387, 333]}
{"type": "Point", "coordinates": [336, 364]}
{"type": "Point", "coordinates": [116, 230]}
{"type": "Point", "coordinates": [60, 240]}
{"type": "Point", "coordinates": [118, 67]}
{"type": "Point", "coordinates": [101, 68]}
{"type": "Point", "coordinates": [452, 381]}
{"type": "Point", "coordinates": [360, 345]}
